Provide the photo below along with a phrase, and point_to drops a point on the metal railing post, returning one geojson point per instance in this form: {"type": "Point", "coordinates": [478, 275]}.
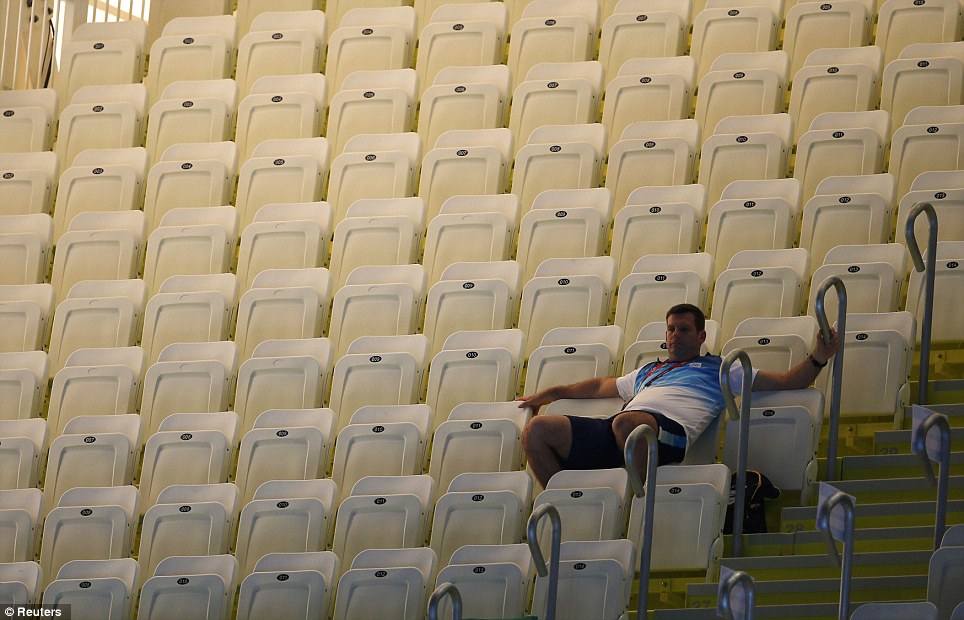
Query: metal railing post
{"type": "Point", "coordinates": [439, 594]}
{"type": "Point", "coordinates": [553, 570]}
{"type": "Point", "coordinates": [837, 377]}
{"type": "Point", "coordinates": [649, 492]}
{"type": "Point", "coordinates": [930, 274]}
{"type": "Point", "coordinates": [824, 511]}
{"type": "Point", "coordinates": [744, 580]}
{"type": "Point", "coordinates": [919, 445]}
{"type": "Point", "coordinates": [743, 415]}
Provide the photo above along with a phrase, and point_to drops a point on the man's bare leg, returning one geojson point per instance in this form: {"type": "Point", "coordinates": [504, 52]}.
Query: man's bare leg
{"type": "Point", "coordinates": [546, 441]}
{"type": "Point", "coordinates": [623, 425]}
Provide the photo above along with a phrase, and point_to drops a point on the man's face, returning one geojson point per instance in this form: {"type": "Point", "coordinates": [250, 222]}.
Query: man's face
{"type": "Point", "coordinates": [683, 340]}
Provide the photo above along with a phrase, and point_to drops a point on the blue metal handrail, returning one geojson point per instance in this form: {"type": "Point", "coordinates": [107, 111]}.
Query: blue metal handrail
{"type": "Point", "coordinates": [919, 446]}
{"type": "Point", "coordinates": [930, 274]}
{"type": "Point", "coordinates": [553, 570]}
{"type": "Point", "coordinates": [743, 415]}
{"type": "Point", "coordinates": [649, 492]}
{"type": "Point", "coordinates": [837, 377]}
{"type": "Point", "coordinates": [744, 580]}
{"type": "Point", "coordinates": [845, 502]}
{"type": "Point", "coordinates": [439, 594]}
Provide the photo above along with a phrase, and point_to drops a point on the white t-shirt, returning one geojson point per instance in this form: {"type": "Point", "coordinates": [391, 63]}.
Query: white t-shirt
{"type": "Point", "coordinates": [688, 393]}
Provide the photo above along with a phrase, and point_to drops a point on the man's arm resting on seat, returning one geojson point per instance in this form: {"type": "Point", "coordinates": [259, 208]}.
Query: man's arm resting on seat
{"type": "Point", "coordinates": [803, 374]}
{"type": "Point", "coordinates": [599, 387]}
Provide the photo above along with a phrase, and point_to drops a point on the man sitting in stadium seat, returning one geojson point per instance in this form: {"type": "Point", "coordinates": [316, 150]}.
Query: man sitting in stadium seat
{"type": "Point", "coordinates": [677, 398]}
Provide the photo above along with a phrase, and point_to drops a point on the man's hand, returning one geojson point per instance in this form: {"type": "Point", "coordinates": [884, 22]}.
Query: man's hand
{"type": "Point", "coordinates": [534, 401]}
{"type": "Point", "coordinates": [826, 350]}
{"type": "Point", "coordinates": [599, 387]}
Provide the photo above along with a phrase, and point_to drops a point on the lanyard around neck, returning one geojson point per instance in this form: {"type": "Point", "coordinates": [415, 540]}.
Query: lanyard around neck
{"type": "Point", "coordinates": [645, 384]}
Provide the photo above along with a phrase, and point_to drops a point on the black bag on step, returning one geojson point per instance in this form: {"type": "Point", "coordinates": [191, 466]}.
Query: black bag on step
{"type": "Point", "coordinates": [758, 488]}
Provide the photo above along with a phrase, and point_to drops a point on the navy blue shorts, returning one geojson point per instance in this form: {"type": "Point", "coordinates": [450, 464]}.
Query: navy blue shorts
{"type": "Point", "coordinates": [594, 443]}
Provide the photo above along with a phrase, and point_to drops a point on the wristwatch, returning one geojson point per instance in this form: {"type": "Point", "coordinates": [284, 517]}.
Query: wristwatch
{"type": "Point", "coordinates": [814, 361]}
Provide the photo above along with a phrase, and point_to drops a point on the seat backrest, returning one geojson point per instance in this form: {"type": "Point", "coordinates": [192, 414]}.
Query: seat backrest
{"type": "Point", "coordinates": [177, 457]}
{"type": "Point", "coordinates": [783, 290]}
{"type": "Point", "coordinates": [419, 415]}
{"type": "Point", "coordinates": [476, 517]}
{"type": "Point", "coordinates": [300, 162]}
{"type": "Point", "coordinates": [942, 588]}
{"type": "Point", "coordinates": [696, 493]}
{"type": "Point", "coordinates": [106, 457]}
{"type": "Point", "coordinates": [396, 305]}
{"type": "Point", "coordinates": [562, 300]}
{"type": "Point", "coordinates": [362, 593]}
{"type": "Point", "coordinates": [467, 237]}
{"type": "Point", "coordinates": [386, 378]}
{"type": "Point", "coordinates": [99, 587]}
{"type": "Point", "coordinates": [281, 453]}
{"type": "Point", "coordinates": [90, 323]}
{"type": "Point", "coordinates": [361, 523]}
{"type": "Point", "coordinates": [207, 599]}
{"type": "Point", "coordinates": [22, 450]}
{"type": "Point", "coordinates": [298, 50]}
{"type": "Point", "coordinates": [23, 377]}
{"type": "Point", "coordinates": [593, 579]}
{"type": "Point", "coordinates": [495, 589]}
{"type": "Point", "coordinates": [392, 448]}
{"type": "Point", "coordinates": [589, 512]}
{"type": "Point", "coordinates": [168, 531]}
{"type": "Point", "coordinates": [552, 365]}
{"type": "Point", "coordinates": [719, 30]}
{"type": "Point", "coordinates": [279, 313]}
{"type": "Point", "coordinates": [491, 411]}
{"type": "Point", "coordinates": [569, 38]}
{"type": "Point", "coordinates": [793, 420]}
{"type": "Point", "coordinates": [282, 382]}
{"type": "Point", "coordinates": [725, 158]}
{"type": "Point", "coordinates": [883, 389]}
{"type": "Point", "coordinates": [900, 23]}
{"type": "Point", "coordinates": [495, 446]}
{"type": "Point", "coordinates": [919, 148]}
{"type": "Point", "coordinates": [810, 27]}
{"type": "Point", "coordinates": [261, 529]}
{"type": "Point", "coordinates": [464, 375]}
{"type": "Point", "coordinates": [102, 532]}
{"type": "Point", "coordinates": [288, 592]}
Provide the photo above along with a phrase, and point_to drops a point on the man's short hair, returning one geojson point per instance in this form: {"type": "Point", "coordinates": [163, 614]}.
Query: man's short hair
{"type": "Point", "coordinates": [698, 317]}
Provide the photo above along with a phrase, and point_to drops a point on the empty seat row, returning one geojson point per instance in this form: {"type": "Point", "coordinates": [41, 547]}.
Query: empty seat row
{"type": "Point", "coordinates": [553, 93]}
{"type": "Point", "coordinates": [921, 149]}
{"type": "Point", "coordinates": [32, 306]}
{"type": "Point", "coordinates": [387, 36]}
{"type": "Point", "coordinates": [556, 157]}
{"type": "Point", "coordinates": [171, 529]}
{"type": "Point", "coordinates": [33, 232]}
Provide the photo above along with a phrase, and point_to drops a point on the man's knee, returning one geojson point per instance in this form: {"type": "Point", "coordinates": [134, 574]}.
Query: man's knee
{"type": "Point", "coordinates": [547, 431]}
{"type": "Point", "coordinates": [627, 421]}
